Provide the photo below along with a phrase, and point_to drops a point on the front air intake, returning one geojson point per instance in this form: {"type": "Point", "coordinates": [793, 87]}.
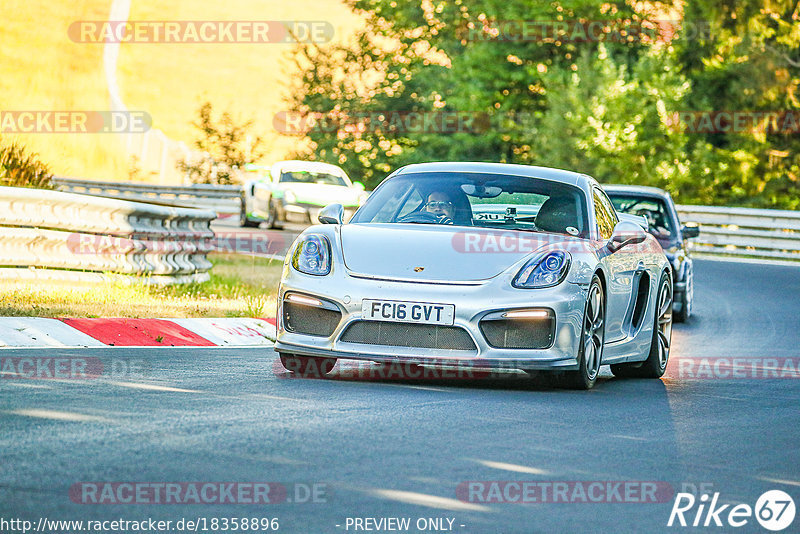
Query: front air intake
{"type": "Point", "coordinates": [309, 319]}
{"type": "Point", "coordinates": [424, 336]}
{"type": "Point", "coordinates": [520, 333]}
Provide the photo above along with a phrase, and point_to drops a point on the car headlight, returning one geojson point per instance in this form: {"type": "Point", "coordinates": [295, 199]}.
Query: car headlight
{"type": "Point", "coordinates": [362, 198]}
{"type": "Point", "coordinates": [312, 255]}
{"type": "Point", "coordinates": [543, 272]}
{"type": "Point", "coordinates": [290, 197]}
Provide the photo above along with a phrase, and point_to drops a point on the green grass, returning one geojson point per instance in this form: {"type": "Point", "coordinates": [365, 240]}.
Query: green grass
{"type": "Point", "coordinates": [42, 69]}
{"type": "Point", "coordinates": [240, 286]}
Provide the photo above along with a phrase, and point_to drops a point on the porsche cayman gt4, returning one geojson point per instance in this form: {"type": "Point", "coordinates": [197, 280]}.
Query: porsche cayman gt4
{"type": "Point", "coordinates": [480, 264]}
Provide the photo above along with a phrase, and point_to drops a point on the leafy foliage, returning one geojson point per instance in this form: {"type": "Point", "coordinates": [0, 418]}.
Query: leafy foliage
{"type": "Point", "coordinates": [226, 145]}
{"type": "Point", "coordinates": [748, 61]}
{"type": "Point", "coordinates": [20, 168]}
{"type": "Point", "coordinates": [603, 106]}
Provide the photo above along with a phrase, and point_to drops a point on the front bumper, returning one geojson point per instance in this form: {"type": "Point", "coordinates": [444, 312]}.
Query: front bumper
{"type": "Point", "coordinates": [473, 302]}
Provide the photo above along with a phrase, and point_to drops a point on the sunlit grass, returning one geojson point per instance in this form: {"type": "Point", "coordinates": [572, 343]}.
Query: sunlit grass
{"type": "Point", "coordinates": [249, 80]}
{"type": "Point", "coordinates": [240, 286]}
{"type": "Point", "coordinates": [42, 69]}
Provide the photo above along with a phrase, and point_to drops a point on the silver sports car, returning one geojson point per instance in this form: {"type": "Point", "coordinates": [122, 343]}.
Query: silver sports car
{"type": "Point", "coordinates": [483, 265]}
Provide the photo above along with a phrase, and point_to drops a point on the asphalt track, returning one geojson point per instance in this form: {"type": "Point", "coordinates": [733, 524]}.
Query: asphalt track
{"type": "Point", "coordinates": [389, 448]}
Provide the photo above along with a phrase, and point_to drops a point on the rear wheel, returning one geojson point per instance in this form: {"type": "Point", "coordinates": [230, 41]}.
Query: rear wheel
{"type": "Point", "coordinates": [308, 366]}
{"type": "Point", "coordinates": [272, 221]}
{"type": "Point", "coordinates": [590, 355]}
{"type": "Point", "coordinates": [656, 362]}
{"type": "Point", "coordinates": [244, 220]}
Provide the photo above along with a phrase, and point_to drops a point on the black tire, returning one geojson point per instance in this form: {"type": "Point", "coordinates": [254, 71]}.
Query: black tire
{"type": "Point", "coordinates": [656, 362]}
{"type": "Point", "coordinates": [308, 366]}
{"type": "Point", "coordinates": [273, 222]}
{"type": "Point", "coordinates": [680, 316]}
{"type": "Point", "coordinates": [686, 302]}
{"type": "Point", "coordinates": [593, 334]}
{"type": "Point", "coordinates": [244, 221]}
{"type": "Point", "coordinates": [271, 216]}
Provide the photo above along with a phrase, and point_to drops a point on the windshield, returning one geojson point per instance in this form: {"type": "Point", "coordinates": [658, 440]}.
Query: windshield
{"type": "Point", "coordinates": [653, 209]}
{"type": "Point", "coordinates": [306, 177]}
{"type": "Point", "coordinates": [476, 199]}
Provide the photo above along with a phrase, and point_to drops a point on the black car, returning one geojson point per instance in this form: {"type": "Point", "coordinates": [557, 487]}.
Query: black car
{"type": "Point", "coordinates": [657, 207]}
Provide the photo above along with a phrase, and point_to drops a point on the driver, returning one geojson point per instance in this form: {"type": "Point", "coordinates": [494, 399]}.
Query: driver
{"type": "Point", "coordinates": [441, 205]}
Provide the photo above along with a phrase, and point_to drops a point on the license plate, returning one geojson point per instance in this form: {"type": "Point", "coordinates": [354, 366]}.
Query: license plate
{"type": "Point", "coordinates": [408, 312]}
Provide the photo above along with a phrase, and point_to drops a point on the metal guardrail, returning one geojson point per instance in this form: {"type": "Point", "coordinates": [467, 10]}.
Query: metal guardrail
{"type": "Point", "coordinates": [66, 236]}
{"type": "Point", "coordinates": [737, 232]}
{"type": "Point", "coordinates": [225, 200]}
{"type": "Point", "coordinates": [744, 232]}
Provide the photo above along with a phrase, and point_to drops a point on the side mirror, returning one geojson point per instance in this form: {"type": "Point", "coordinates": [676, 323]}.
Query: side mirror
{"type": "Point", "coordinates": [690, 230]}
{"type": "Point", "coordinates": [358, 185]}
{"type": "Point", "coordinates": [331, 214]}
{"type": "Point", "coordinates": [641, 220]}
{"type": "Point", "coordinates": [626, 233]}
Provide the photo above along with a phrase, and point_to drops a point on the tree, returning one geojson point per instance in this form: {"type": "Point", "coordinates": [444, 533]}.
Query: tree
{"type": "Point", "coordinates": [746, 61]}
{"type": "Point", "coordinates": [609, 105]}
{"type": "Point", "coordinates": [226, 147]}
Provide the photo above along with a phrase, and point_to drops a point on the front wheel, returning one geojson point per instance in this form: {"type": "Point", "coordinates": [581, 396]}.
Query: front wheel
{"type": "Point", "coordinates": [308, 366]}
{"type": "Point", "coordinates": [686, 301]}
{"type": "Point", "coordinates": [590, 354]}
{"type": "Point", "coordinates": [656, 362]}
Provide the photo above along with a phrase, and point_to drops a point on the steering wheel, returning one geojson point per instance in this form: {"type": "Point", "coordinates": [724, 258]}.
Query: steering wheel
{"type": "Point", "coordinates": [425, 217]}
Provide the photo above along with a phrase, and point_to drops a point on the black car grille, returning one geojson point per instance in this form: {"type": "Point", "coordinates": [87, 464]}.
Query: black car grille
{"type": "Point", "coordinates": [310, 320]}
{"type": "Point", "coordinates": [424, 336]}
{"type": "Point", "coordinates": [519, 333]}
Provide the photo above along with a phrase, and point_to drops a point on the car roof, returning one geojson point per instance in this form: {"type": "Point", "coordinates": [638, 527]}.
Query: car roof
{"type": "Point", "coordinates": [644, 190]}
{"type": "Point", "coordinates": [558, 175]}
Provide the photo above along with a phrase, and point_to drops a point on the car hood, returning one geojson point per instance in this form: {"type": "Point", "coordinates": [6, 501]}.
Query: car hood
{"type": "Point", "coordinates": [437, 253]}
{"type": "Point", "coordinates": [323, 194]}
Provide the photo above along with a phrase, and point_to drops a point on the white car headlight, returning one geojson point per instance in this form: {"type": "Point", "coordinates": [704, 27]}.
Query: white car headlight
{"type": "Point", "coordinates": [313, 255]}
{"type": "Point", "coordinates": [543, 272]}
{"type": "Point", "coordinates": [290, 197]}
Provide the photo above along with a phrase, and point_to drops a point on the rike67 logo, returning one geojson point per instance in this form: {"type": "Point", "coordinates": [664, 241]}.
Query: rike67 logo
{"type": "Point", "coordinates": [774, 510]}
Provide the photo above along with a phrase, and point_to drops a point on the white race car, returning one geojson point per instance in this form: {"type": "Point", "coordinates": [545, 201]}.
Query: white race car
{"type": "Point", "coordinates": [295, 191]}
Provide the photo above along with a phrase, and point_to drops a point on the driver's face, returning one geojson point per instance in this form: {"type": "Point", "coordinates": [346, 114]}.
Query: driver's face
{"type": "Point", "coordinates": [439, 205]}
